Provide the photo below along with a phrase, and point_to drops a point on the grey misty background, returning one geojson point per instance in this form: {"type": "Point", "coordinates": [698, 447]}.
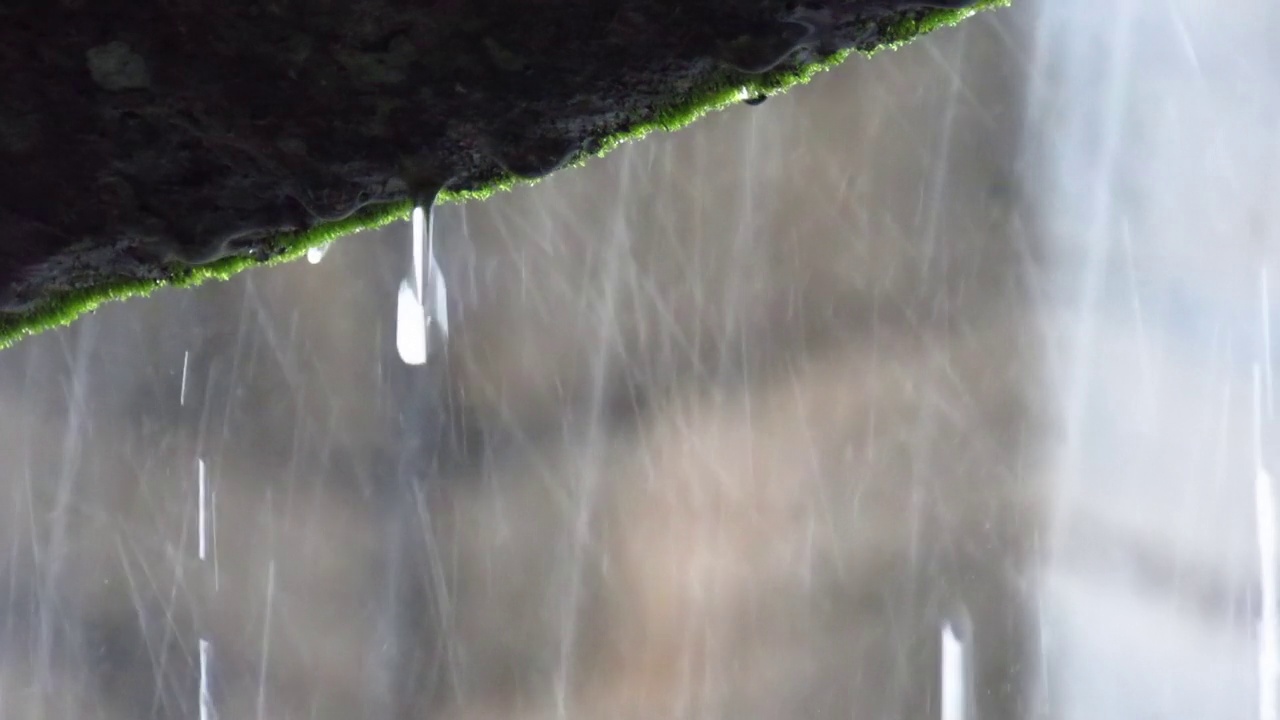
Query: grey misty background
{"type": "Point", "coordinates": [729, 422]}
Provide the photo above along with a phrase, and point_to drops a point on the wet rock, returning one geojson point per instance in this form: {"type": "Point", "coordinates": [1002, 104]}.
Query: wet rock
{"type": "Point", "coordinates": [380, 68]}
{"type": "Point", "coordinates": [293, 146]}
{"type": "Point", "coordinates": [18, 133]}
{"type": "Point", "coordinates": [115, 66]}
{"type": "Point", "coordinates": [294, 117]}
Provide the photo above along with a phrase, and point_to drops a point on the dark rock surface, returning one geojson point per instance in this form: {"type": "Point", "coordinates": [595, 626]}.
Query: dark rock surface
{"type": "Point", "coordinates": [142, 138]}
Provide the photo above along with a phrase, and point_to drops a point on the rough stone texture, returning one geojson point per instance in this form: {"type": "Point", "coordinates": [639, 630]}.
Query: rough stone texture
{"type": "Point", "coordinates": [142, 138]}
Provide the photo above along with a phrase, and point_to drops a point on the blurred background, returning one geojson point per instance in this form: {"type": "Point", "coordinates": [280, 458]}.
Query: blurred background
{"type": "Point", "coordinates": [941, 387]}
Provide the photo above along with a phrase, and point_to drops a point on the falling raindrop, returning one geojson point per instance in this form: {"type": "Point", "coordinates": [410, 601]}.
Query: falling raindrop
{"type": "Point", "coordinates": [205, 704]}
{"type": "Point", "coordinates": [1269, 622]}
{"type": "Point", "coordinates": [266, 637]}
{"type": "Point", "coordinates": [200, 500]}
{"type": "Point", "coordinates": [953, 675]}
{"type": "Point", "coordinates": [411, 327]}
{"type": "Point", "coordinates": [438, 310]}
{"type": "Point", "coordinates": [182, 392]}
{"type": "Point", "coordinates": [1267, 365]}
{"type": "Point", "coordinates": [213, 520]}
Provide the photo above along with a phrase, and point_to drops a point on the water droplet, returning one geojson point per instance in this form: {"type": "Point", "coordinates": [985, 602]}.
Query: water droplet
{"type": "Point", "coordinates": [954, 686]}
{"type": "Point", "coordinates": [411, 327]}
{"type": "Point", "coordinates": [317, 253]}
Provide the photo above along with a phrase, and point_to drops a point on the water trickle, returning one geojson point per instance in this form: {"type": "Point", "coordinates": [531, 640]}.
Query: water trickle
{"type": "Point", "coordinates": [423, 300]}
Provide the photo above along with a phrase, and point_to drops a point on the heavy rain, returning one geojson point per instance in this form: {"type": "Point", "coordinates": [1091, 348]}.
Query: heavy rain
{"type": "Point", "coordinates": [940, 388]}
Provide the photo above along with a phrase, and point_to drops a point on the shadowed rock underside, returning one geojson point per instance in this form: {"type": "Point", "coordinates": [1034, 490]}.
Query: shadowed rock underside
{"type": "Point", "coordinates": [164, 143]}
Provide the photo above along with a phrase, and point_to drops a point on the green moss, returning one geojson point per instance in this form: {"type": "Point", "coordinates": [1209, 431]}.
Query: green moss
{"type": "Point", "coordinates": [905, 30]}
{"type": "Point", "coordinates": [61, 309]}
{"type": "Point", "coordinates": [65, 307]}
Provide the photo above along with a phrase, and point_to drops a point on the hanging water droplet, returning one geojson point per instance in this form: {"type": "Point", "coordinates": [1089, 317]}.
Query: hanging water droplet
{"type": "Point", "coordinates": [317, 253]}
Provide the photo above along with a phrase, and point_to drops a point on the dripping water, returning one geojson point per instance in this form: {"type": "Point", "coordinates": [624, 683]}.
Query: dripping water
{"type": "Point", "coordinates": [421, 307]}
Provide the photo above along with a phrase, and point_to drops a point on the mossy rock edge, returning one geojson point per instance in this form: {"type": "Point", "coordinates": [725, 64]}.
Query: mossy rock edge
{"type": "Point", "coordinates": [176, 142]}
